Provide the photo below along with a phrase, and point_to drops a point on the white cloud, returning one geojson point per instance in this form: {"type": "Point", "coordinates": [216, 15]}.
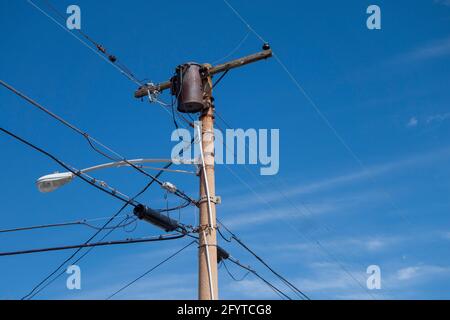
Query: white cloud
{"type": "Point", "coordinates": [436, 49]}
{"type": "Point", "coordinates": [412, 122]}
{"type": "Point", "coordinates": [255, 216]}
{"type": "Point", "coordinates": [407, 273]}
{"type": "Point", "coordinates": [421, 272]}
{"type": "Point", "coordinates": [294, 210]}
{"type": "Point", "coordinates": [294, 190]}
{"type": "Point", "coordinates": [358, 246]}
{"type": "Point", "coordinates": [438, 117]}
{"type": "Point", "coordinates": [326, 282]}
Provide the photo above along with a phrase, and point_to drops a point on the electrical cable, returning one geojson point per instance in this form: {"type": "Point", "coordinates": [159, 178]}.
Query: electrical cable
{"type": "Point", "coordinates": [328, 124]}
{"type": "Point", "coordinates": [101, 51]}
{"type": "Point", "coordinates": [150, 270]}
{"type": "Point", "coordinates": [222, 236]}
{"type": "Point", "coordinates": [74, 128]}
{"type": "Point", "coordinates": [220, 78]}
{"type": "Point", "coordinates": [290, 225]}
{"type": "Point", "coordinates": [65, 166]}
{"type": "Point", "coordinates": [235, 49]}
{"type": "Point", "coordinates": [96, 244]}
{"type": "Point", "coordinates": [84, 222]}
{"type": "Point", "coordinates": [90, 139]}
{"type": "Point", "coordinates": [288, 283]}
{"type": "Point", "coordinates": [75, 262]}
{"type": "Point", "coordinates": [271, 286]}
{"type": "Point", "coordinates": [231, 275]}
{"type": "Point", "coordinates": [31, 294]}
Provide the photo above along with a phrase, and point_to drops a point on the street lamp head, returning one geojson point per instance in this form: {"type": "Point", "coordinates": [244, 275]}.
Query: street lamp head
{"type": "Point", "coordinates": [53, 181]}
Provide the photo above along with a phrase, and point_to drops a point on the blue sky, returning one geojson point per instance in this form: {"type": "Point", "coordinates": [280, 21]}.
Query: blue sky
{"type": "Point", "coordinates": [321, 221]}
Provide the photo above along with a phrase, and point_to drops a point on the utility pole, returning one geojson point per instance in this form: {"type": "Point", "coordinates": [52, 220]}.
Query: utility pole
{"type": "Point", "coordinates": [207, 228]}
{"type": "Point", "coordinates": [192, 85]}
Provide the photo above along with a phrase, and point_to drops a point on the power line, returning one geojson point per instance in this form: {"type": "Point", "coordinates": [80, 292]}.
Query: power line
{"type": "Point", "coordinates": [32, 295]}
{"type": "Point", "coordinates": [220, 78]}
{"type": "Point", "coordinates": [73, 127]}
{"type": "Point", "coordinates": [232, 276]}
{"type": "Point", "coordinates": [322, 116]}
{"type": "Point", "coordinates": [91, 181]}
{"type": "Point", "coordinates": [108, 58]}
{"type": "Point", "coordinates": [89, 139]}
{"type": "Point", "coordinates": [95, 244]}
{"type": "Point", "coordinates": [150, 270]}
{"type": "Point", "coordinates": [290, 225]}
{"type": "Point", "coordinates": [235, 49]}
{"type": "Point", "coordinates": [100, 47]}
{"type": "Point", "coordinates": [288, 283]}
{"type": "Point", "coordinates": [270, 285]}
{"type": "Point", "coordinates": [84, 222]}
{"type": "Point", "coordinates": [71, 256]}
{"type": "Point", "coordinates": [328, 123]}
{"type": "Point", "coordinates": [75, 262]}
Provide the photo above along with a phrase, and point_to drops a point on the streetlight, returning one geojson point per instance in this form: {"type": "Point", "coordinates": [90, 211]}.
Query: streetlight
{"type": "Point", "coordinates": [51, 182]}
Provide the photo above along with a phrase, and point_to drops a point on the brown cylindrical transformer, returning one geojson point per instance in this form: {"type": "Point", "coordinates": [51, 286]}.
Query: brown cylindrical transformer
{"type": "Point", "coordinates": [188, 88]}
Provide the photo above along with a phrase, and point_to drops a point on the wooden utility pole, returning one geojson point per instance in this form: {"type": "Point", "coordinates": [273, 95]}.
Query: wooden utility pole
{"type": "Point", "coordinates": [207, 279]}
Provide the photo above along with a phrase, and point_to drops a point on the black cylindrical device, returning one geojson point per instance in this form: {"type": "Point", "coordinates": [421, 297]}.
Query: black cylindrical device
{"type": "Point", "coordinates": [155, 218]}
{"type": "Point", "coordinates": [187, 86]}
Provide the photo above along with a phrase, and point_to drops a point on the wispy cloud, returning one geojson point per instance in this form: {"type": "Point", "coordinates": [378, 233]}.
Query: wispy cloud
{"type": "Point", "coordinates": [305, 211]}
{"type": "Point", "coordinates": [330, 282]}
{"type": "Point", "coordinates": [362, 244]}
{"type": "Point", "coordinates": [294, 190]}
{"type": "Point", "coordinates": [412, 122]}
{"type": "Point", "coordinates": [436, 49]}
{"type": "Point", "coordinates": [443, 2]}
{"type": "Point", "coordinates": [438, 118]}
{"type": "Point", "coordinates": [423, 272]}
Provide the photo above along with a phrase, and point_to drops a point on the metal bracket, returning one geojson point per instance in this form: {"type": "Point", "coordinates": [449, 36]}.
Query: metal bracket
{"type": "Point", "coordinates": [215, 199]}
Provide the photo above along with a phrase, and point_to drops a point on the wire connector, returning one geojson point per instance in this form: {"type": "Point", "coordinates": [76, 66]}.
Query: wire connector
{"type": "Point", "coordinates": [170, 187]}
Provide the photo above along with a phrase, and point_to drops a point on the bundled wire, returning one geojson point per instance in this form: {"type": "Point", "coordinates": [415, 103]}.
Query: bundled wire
{"type": "Point", "coordinates": [130, 201]}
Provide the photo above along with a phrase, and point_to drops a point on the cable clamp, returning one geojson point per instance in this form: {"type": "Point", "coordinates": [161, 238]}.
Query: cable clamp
{"type": "Point", "coordinates": [208, 131]}
{"type": "Point", "coordinates": [213, 199]}
{"type": "Point", "coordinates": [205, 227]}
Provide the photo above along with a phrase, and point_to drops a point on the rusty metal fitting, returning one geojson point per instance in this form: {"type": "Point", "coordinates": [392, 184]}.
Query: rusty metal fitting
{"type": "Point", "coordinates": [213, 199]}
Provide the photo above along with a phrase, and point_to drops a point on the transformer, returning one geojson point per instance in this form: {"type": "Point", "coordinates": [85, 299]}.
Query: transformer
{"type": "Point", "coordinates": [187, 87]}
